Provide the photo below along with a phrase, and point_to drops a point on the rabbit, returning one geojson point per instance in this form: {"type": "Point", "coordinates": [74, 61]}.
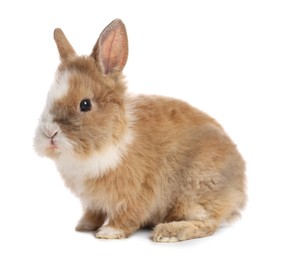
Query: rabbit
{"type": "Point", "coordinates": [136, 161]}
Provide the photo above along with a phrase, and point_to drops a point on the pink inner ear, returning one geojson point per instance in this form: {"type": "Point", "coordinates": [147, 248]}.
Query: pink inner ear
{"type": "Point", "coordinates": [109, 53]}
{"type": "Point", "coordinates": [113, 47]}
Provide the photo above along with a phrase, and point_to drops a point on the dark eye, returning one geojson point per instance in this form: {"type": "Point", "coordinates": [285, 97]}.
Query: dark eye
{"type": "Point", "coordinates": [85, 105]}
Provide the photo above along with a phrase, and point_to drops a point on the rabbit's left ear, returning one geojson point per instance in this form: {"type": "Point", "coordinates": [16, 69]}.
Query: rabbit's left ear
{"type": "Point", "coordinates": [64, 47]}
{"type": "Point", "coordinates": [111, 49]}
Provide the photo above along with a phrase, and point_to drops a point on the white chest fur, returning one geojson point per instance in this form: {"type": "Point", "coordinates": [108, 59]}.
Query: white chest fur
{"type": "Point", "coordinates": [75, 171]}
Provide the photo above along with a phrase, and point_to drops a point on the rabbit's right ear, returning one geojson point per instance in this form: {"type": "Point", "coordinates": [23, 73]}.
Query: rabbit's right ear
{"type": "Point", "coordinates": [111, 49]}
{"type": "Point", "coordinates": [64, 47]}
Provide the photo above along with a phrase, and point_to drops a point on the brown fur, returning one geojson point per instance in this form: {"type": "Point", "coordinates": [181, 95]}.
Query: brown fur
{"type": "Point", "coordinates": [181, 174]}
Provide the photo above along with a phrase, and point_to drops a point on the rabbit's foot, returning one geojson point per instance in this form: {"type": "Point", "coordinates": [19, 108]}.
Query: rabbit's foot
{"type": "Point", "coordinates": [108, 232]}
{"type": "Point", "coordinates": [183, 230]}
{"type": "Point", "coordinates": [86, 226]}
{"type": "Point", "coordinates": [90, 221]}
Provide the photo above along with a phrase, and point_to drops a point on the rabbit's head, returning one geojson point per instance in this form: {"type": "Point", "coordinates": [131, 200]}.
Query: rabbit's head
{"type": "Point", "coordinates": [85, 110]}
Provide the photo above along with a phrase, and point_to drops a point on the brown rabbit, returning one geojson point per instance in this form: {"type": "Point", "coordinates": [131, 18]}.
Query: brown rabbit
{"type": "Point", "coordinates": [136, 161]}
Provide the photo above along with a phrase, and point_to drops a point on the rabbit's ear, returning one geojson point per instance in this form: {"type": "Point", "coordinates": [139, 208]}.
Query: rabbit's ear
{"type": "Point", "coordinates": [64, 47]}
{"type": "Point", "coordinates": [111, 49]}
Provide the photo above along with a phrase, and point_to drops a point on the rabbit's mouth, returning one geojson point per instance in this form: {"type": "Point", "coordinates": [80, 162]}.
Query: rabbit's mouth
{"type": "Point", "coordinates": [53, 148]}
{"type": "Point", "coordinates": [53, 145]}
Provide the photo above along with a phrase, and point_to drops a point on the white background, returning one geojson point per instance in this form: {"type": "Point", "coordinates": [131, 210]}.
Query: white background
{"type": "Point", "coordinates": [227, 58]}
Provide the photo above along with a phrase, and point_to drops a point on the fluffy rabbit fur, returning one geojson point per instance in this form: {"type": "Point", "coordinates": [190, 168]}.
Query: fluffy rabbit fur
{"type": "Point", "coordinates": [136, 161]}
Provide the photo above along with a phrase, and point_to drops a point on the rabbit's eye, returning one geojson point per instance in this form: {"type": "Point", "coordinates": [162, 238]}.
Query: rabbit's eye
{"type": "Point", "coordinates": [85, 105]}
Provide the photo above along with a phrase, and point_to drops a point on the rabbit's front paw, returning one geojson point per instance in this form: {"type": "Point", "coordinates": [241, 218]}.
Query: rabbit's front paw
{"type": "Point", "coordinates": [90, 221]}
{"type": "Point", "coordinates": [108, 232]}
{"type": "Point", "coordinates": [86, 226]}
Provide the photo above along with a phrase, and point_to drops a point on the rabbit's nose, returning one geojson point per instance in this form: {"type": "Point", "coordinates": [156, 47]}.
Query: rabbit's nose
{"type": "Point", "coordinates": [50, 131]}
